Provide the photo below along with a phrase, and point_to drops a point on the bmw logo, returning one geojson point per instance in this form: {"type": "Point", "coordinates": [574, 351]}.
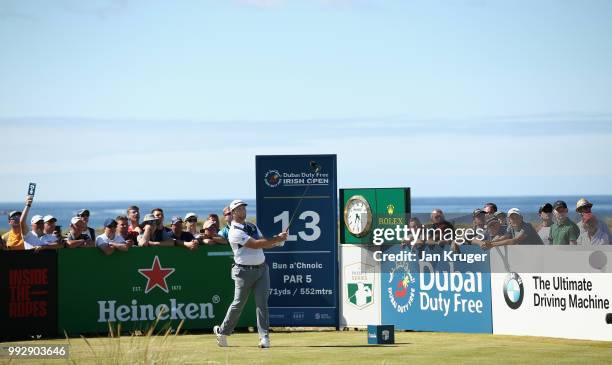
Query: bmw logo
{"type": "Point", "coordinates": [513, 290]}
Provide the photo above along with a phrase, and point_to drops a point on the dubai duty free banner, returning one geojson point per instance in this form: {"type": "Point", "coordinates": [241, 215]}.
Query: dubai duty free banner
{"type": "Point", "coordinates": [134, 288]}
{"type": "Point", "coordinates": [434, 289]}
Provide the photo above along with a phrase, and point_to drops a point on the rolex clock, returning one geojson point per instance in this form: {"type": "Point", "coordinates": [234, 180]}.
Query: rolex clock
{"type": "Point", "coordinates": [367, 210]}
{"type": "Point", "coordinates": [358, 216]}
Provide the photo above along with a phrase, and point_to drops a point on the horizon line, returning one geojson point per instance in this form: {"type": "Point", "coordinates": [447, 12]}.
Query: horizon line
{"type": "Point", "coordinates": [254, 199]}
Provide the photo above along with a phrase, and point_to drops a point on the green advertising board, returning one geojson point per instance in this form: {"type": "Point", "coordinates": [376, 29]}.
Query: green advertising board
{"type": "Point", "coordinates": [364, 210]}
{"type": "Point", "coordinates": [136, 287]}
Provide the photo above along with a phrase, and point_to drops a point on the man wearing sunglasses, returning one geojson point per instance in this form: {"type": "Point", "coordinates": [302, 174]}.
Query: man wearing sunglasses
{"type": "Point", "coordinates": [149, 226]}
{"type": "Point", "coordinates": [183, 238]}
{"type": "Point", "coordinates": [583, 207]}
{"type": "Point", "coordinates": [13, 240]}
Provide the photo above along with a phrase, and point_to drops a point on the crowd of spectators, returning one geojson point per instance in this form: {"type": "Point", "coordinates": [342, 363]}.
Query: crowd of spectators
{"type": "Point", "coordinates": [121, 233]}
{"type": "Point", "coordinates": [501, 229]}
{"type": "Point", "coordinates": [127, 231]}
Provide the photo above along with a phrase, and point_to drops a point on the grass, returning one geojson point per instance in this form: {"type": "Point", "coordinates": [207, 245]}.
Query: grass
{"type": "Point", "coordinates": [331, 347]}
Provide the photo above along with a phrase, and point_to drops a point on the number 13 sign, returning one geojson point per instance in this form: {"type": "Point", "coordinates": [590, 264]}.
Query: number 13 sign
{"type": "Point", "coordinates": [299, 192]}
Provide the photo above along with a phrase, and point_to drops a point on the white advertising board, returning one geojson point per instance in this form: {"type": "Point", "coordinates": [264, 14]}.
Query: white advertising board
{"type": "Point", "coordinates": [359, 286]}
{"type": "Point", "coordinates": [570, 299]}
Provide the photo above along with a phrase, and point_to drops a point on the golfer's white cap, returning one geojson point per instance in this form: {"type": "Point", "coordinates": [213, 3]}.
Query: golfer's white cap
{"type": "Point", "coordinates": [37, 218]}
{"type": "Point", "coordinates": [514, 211]}
{"type": "Point", "coordinates": [189, 215]}
{"type": "Point", "coordinates": [75, 220]}
{"type": "Point", "coordinates": [236, 203]}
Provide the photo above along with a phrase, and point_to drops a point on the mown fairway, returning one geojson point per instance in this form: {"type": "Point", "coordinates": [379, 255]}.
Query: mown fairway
{"type": "Point", "coordinates": [333, 348]}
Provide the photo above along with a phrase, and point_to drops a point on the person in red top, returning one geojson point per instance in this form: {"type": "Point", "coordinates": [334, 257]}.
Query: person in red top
{"type": "Point", "coordinates": [133, 213]}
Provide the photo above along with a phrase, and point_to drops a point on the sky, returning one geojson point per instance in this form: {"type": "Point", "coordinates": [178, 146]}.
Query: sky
{"type": "Point", "coordinates": [120, 99]}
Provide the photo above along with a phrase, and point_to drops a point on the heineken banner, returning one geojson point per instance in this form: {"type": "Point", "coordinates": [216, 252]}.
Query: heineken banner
{"type": "Point", "coordinates": [28, 294]}
{"type": "Point", "coordinates": [136, 287]}
{"type": "Point", "coordinates": [360, 278]}
{"type": "Point", "coordinates": [299, 192]}
{"type": "Point", "coordinates": [438, 291]}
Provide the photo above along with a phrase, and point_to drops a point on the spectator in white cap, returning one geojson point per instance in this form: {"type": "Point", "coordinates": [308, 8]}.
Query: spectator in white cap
{"type": "Point", "coordinates": [13, 239]}
{"type": "Point", "coordinates": [250, 272]}
{"type": "Point", "coordinates": [35, 239]}
{"type": "Point", "coordinates": [191, 223]}
{"type": "Point", "coordinates": [583, 207]}
{"type": "Point", "coordinates": [51, 228]}
{"type": "Point", "coordinates": [75, 237]}
{"type": "Point", "coordinates": [519, 232]}
{"type": "Point", "coordinates": [49, 224]}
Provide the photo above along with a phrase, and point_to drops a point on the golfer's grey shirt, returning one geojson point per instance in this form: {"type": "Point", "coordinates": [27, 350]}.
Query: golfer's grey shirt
{"type": "Point", "coordinates": [238, 237]}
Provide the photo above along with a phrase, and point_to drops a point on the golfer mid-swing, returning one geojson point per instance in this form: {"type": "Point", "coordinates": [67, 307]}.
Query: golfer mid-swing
{"type": "Point", "coordinates": [249, 271]}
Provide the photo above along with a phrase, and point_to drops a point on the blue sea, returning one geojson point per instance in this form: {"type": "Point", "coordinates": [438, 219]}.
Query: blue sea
{"type": "Point", "coordinates": [457, 209]}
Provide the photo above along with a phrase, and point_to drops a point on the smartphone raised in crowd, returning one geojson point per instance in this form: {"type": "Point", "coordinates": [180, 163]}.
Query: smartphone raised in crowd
{"type": "Point", "coordinates": [32, 189]}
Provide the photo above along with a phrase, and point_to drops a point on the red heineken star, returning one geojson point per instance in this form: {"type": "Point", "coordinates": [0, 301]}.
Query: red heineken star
{"type": "Point", "coordinates": [156, 276]}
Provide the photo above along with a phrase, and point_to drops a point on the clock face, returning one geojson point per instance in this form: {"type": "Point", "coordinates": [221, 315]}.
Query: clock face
{"type": "Point", "coordinates": [358, 216]}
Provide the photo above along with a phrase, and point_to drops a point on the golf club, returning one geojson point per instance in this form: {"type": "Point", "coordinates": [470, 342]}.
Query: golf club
{"type": "Point", "coordinates": [314, 167]}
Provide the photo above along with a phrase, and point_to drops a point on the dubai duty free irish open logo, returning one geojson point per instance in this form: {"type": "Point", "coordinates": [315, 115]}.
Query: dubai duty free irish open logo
{"type": "Point", "coordinates": [401, 288]}
{"type": "Point", "coordinates": [272, 178]}
{"type": "Point", "coordinates": [513, 290]}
